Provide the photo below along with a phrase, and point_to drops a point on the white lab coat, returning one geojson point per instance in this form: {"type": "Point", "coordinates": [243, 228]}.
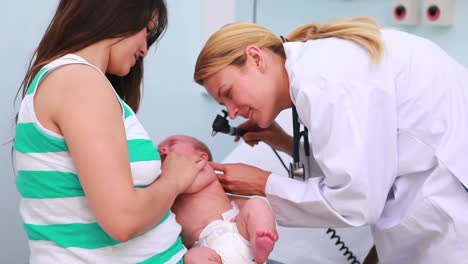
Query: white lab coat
{"type": "Point", "coordinates": [389, 146]}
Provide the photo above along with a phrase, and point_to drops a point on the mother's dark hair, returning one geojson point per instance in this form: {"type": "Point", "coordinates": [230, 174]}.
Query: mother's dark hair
{"type": "Point", "coordinates": [80, 23]}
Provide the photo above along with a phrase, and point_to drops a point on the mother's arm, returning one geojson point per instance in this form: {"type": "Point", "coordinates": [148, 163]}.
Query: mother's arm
{"type": "Point", "coordinates": [89, 116]}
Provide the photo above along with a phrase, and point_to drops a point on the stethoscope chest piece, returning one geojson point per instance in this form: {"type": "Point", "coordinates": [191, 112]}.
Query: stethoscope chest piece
{"type": "Point", "coordinates": [296, 170]}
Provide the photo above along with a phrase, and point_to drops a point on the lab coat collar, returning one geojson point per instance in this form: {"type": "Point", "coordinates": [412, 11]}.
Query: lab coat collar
{"type": "Point", "coordinates": [293, 52]}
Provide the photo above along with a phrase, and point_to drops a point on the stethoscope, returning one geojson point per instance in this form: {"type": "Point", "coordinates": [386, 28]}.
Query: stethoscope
{"type": "Point", "coordinates": [296, 168]}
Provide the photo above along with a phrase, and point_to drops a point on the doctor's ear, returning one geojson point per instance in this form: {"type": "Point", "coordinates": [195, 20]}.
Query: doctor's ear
{"type": "Point", "coordinates": [255, 56]}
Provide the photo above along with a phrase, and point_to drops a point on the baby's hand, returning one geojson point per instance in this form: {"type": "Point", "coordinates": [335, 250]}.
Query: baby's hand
{"type": "Point", "coordinates": [181, 169]}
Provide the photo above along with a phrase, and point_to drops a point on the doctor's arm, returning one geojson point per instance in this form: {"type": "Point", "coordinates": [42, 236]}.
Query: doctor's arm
{"type": "Point", "coordinates": [352, 130]}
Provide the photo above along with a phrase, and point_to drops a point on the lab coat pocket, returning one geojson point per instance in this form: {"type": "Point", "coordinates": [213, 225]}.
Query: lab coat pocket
{"type": "Point", "coordinates": [425, 234]}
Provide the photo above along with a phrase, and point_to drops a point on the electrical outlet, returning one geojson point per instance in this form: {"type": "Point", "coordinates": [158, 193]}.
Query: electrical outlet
{"type": "Point", "coordinates": [405, 12]}
{"type": "Point", "coordinates": [438, 12]}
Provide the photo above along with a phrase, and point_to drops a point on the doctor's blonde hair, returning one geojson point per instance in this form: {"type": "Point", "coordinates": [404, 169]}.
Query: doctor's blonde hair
{"type": "Point", "coordinates": [227, 45]}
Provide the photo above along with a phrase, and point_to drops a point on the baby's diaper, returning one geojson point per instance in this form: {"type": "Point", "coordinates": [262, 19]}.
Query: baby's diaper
{"type": "Point", "coordinates": [223, 237]}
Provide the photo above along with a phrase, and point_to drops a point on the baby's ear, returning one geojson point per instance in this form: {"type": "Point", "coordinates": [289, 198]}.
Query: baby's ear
{"type": "Point", "coordinates": [203, 155]}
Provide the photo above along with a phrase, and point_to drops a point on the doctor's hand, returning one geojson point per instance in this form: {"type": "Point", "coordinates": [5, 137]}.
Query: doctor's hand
{"type": "Point", "coordinates": [273, 135]}
{"type": "Point", "coordinates": [242, 179]}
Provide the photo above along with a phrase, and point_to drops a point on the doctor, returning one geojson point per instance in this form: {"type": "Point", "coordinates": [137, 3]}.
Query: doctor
{"type": "Point", "coordinates": [387, 114]}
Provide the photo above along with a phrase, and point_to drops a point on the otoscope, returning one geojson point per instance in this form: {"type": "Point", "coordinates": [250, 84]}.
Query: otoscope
{"type": "Point", "coordinates": [221, 124]}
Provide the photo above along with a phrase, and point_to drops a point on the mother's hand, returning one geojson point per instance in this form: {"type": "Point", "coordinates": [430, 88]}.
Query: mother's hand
{"type": "Point", "coordinates": [242, 179]}
{"type": "Point", "coordinates": [181, 169]}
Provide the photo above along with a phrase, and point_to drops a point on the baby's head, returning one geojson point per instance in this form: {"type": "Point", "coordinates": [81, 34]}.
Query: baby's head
{"type": "Point", "coordinates": [184, 144]}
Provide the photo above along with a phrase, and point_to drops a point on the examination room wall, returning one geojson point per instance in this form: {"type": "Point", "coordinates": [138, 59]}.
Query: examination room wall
{"type": "Point", "coordinates": [172, 102]}
{"type": "Point", "coordinates": [283, 16]}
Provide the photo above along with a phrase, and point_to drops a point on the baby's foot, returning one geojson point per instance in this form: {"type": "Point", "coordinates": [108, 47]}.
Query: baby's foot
{"type": "Point", "coordinates": [263, 245]}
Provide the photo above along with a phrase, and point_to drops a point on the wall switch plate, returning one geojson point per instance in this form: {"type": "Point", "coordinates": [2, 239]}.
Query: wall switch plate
{"type": "Point", "coordinates": [405, 12]}
{"type": "Point", "coordinates": [438, 12]}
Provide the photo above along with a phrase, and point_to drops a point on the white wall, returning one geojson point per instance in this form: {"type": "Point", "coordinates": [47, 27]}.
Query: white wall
{"type": "Point", "coordinates": [20, 31]}
{"type": "Point", "coordinates": [282, 16]}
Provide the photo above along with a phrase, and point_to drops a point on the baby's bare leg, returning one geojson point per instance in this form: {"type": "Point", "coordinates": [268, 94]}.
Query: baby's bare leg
{"type": "Point", "coordinates": [256, 223]}
{"type": "Point", "coordinates": [202, 255]}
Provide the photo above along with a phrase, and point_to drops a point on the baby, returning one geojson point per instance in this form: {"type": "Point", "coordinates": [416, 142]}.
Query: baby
{"type": "Point", "coordinates": [212, 224]}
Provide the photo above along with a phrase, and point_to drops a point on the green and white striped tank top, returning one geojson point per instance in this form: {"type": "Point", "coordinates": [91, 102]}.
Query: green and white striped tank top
{"type": "Point", "coordinates": [58, 220]}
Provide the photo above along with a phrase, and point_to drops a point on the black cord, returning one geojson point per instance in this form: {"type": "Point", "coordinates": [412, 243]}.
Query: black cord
{"type": "Point", "coordinates": [332, 232]}
{"type": "Point", "coordinates": [343, 248]}
{"type": "Point", "coordinates": [282, 162]}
